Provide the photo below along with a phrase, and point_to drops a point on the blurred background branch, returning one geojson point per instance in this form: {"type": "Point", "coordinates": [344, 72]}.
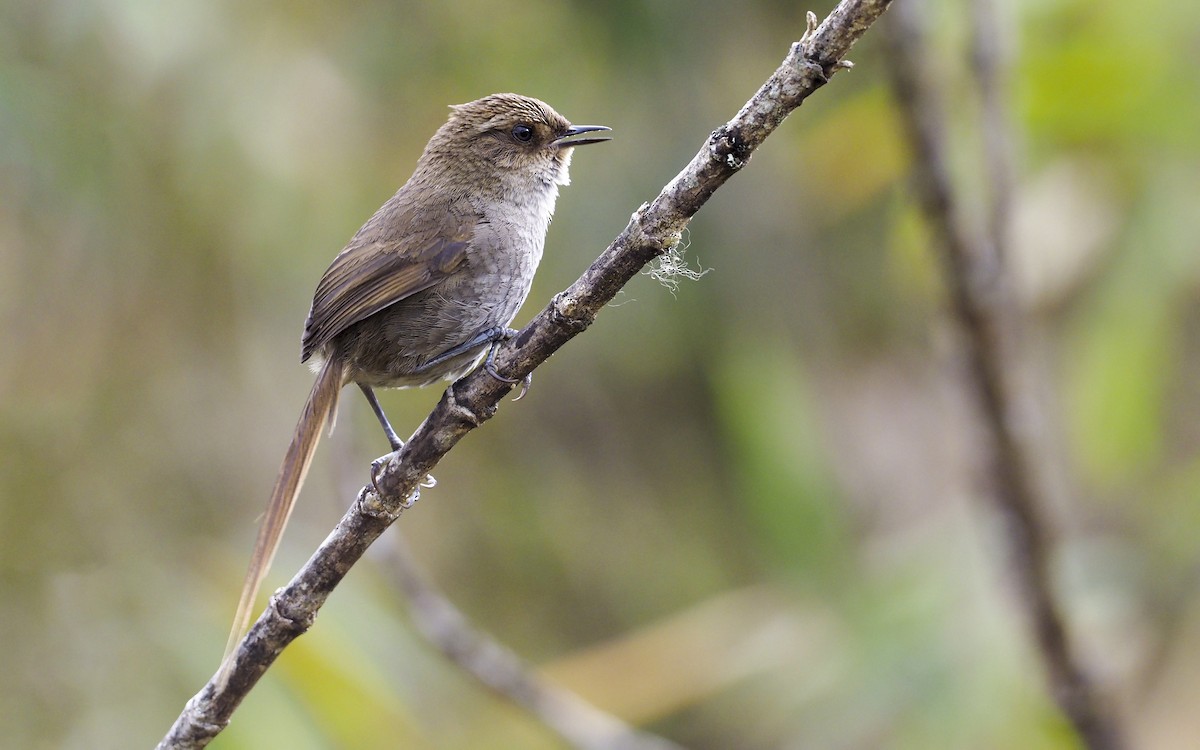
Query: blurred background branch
{"type": "Point", "coordinates": [990, 50]}
{"type": "Point", "coordinates": [501, 670]}
{"type": "Point", "coordinates": [993, 338]}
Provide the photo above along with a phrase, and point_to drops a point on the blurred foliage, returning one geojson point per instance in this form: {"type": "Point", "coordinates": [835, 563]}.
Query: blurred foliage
{"type": "Point", "coordinates": [744, 514]}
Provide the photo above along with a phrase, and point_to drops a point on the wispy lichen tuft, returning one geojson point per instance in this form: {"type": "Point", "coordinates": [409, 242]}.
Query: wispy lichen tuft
{"type": "Point", "coordinates": [672, 266]}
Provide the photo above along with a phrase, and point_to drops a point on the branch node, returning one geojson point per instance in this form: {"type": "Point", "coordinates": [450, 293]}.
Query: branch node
{"type": "Point", "coordinates": [205, 728]}
{"type": "Point", "coordinates": [729, 147]}
{"type": "Point", "coordinates": [299, 622]}
{"type": "Point", "coordinates": [816, 71]}
{"type": "Point", "coordinates": [462, 411]}
{"type": "Point", "coordinates": [370, 503]}
{"type": "Point", "coordinates": [566, 313]}
{"type": "Point", "coordinates": [810, 26]}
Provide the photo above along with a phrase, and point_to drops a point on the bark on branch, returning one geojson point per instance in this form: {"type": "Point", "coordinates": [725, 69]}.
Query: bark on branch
{"type": "Point", "coordinates": [654, 229]}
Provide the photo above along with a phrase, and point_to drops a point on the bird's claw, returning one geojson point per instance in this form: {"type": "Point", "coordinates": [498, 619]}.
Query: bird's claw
{"type": "Point", "coordinates": [376, 465]}
{"type": "Point", "coordinates": [489, 365]}
{"type": "Point", "coordinates": [525, 383]}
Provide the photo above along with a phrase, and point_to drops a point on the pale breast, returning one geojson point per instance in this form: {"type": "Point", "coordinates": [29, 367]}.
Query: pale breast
{"type": "Point", "coordinates": [392, 347]}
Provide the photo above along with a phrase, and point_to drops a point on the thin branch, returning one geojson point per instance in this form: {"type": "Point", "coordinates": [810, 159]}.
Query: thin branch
{"type": "Point", "coordinates": [982, 301]}
{"type": "Point", "coordinates": [498, 668]}
{"type": "Point", "coordinates": [989, 63]}
{"type": "Point", "coordinates": [654, 229]}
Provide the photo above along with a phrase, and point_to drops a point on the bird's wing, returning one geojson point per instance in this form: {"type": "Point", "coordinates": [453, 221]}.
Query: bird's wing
{"type": "Point", "coordinates": [392, 257]}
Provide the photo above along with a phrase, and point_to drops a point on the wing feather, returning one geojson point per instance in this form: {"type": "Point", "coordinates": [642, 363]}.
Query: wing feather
{"type": "Point", "coordinates": [390, 258]}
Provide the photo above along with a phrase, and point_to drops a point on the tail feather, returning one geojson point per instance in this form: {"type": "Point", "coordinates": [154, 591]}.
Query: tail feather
{"type": "Point", "coordinates": [319, 410]}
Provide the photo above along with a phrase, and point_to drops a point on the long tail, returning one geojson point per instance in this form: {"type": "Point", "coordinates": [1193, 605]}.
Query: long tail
{"type": "Point", "coordinates": [320, 408]}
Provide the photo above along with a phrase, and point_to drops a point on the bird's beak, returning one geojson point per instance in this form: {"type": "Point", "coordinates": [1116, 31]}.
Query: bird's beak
{"type": "Point", "coordinates": [574, 130]}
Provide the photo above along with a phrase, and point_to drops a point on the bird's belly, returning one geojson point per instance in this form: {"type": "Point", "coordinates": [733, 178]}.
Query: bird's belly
{"type": "Point", "coordinates": [392, 348]}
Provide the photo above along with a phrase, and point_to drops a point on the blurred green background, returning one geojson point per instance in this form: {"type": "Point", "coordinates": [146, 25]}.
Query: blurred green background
{"type": "Point", "coordinates": [745, 514]}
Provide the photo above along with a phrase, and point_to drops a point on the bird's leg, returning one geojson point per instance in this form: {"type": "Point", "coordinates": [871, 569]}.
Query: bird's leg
{"type": "Point", "coordinates": [392, 437]}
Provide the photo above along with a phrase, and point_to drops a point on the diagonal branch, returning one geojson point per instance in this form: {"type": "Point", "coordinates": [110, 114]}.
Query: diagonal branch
{"type": "Point", "coordinates": [654, 229]}
{"type": "Point", "coordinates": [983, 303]}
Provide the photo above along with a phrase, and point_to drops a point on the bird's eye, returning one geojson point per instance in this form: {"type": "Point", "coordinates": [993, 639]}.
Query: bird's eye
{"type": "Point", "coordinates": [522, 133]}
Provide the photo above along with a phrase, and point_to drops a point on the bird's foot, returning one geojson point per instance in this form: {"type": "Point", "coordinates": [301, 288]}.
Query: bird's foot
{"type": "Point", "coordinates": [489, 365]}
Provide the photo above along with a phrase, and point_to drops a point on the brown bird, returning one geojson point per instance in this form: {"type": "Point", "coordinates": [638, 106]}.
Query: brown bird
{"type": "Point", "coordinates": [428, 286]}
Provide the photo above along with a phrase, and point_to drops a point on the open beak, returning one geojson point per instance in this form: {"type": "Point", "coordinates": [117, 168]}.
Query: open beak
{"type": "Point", "coordinates": [574, 130]}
